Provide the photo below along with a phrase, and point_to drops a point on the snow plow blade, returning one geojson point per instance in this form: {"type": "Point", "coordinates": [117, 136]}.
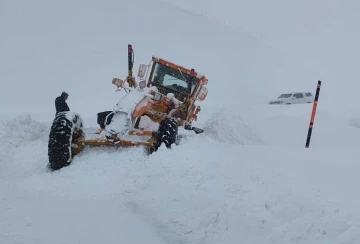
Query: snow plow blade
{"type": "Point", "coordinates": [133, 138]}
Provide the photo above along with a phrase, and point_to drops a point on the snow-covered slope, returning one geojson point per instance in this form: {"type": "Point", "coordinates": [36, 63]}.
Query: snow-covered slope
{"type": "Point", "coordinates": [247, 179]}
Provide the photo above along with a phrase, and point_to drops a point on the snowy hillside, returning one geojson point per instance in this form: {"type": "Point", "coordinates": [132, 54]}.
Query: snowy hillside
{"type": "Point", "coordinates": [247, 179]}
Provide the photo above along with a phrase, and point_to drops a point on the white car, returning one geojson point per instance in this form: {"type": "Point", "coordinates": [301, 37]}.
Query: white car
{"type": "Point", "coordinates": [294, 98]}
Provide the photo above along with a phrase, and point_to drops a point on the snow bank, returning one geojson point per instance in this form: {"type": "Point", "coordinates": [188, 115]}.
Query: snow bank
{"type": "Point", "coordinates": [20, 130]}
{"type": "Point", "coordinates": [230, 128]}
{"type": "Point", "coordinates": [21, 137]}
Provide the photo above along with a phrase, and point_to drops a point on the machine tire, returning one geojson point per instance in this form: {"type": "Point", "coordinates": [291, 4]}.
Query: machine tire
{"type": "Point", "coordinates": [65, 139]}
{"type": "Point", "coordinates": [167, 132]}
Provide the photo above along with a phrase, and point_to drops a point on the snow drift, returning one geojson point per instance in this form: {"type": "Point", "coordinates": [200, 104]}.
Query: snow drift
{"type": "Point", "coordinates": [227, 127]}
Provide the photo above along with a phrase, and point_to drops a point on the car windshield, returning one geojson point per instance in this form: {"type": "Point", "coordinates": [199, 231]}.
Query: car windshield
{"type": "Point", "coordinates": [173, 79]}
{"type": "Point", "coordinates": [287, 95]}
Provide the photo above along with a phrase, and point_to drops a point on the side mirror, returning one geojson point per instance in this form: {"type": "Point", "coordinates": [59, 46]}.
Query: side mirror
{"type": "Point", "coordinates": [142, 70]}
{"type": "Point", "coordinates": [202, 93]}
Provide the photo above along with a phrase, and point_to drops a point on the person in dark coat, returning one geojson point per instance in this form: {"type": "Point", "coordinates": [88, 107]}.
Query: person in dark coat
{"type": "Point", "coordinates": [60, 103]}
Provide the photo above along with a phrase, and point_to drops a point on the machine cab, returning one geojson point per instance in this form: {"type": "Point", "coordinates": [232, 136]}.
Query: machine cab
{"type": "Point", "coordinates": [171, 78]}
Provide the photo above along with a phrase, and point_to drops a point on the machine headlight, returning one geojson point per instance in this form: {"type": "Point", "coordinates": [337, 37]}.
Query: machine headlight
{"type": "Point", "coordinates": [142, 84]}
{"type": "Point", "coordinates": [157, 96]}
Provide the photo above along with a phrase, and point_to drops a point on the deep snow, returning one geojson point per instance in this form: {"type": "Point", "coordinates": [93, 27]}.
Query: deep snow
{"type": "Point", "coordinates": [247, 179]}
{"type": "Point", "coordinates": [259, 188]}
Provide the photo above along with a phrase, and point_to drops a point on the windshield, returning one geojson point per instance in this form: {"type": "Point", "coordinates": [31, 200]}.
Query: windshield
{"type": "Point", "coordinates": [173, 79]}
{"type": "Point", "coordinates": [285, 95]}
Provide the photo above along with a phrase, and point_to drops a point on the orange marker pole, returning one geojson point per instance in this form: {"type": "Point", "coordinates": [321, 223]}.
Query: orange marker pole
{"type": "Point", "coordinates": [311, 125]}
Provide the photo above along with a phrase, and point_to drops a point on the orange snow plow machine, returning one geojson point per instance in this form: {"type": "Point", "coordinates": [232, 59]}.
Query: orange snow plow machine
{"type": "Point", "coordinates": [149, 113]}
